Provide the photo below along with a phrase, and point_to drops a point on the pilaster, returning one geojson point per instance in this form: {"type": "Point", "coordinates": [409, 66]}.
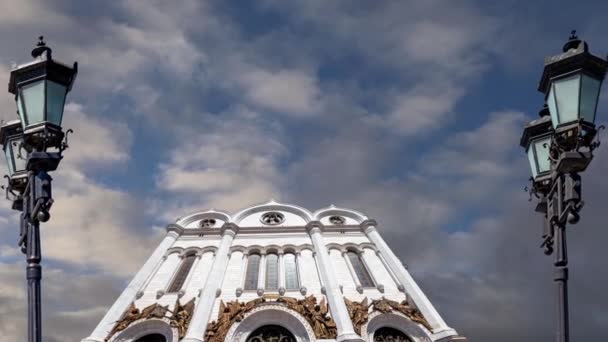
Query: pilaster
{"type": "Point", "coordinates": [337, 307]}
{"type": "Point", "coordinates": [209, 292]}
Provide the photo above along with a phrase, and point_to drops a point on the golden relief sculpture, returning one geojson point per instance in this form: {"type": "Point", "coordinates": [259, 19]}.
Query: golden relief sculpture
{"type": "Point", "coordinates": [316, 314]}
{"type": "Point", "coordinates": [386, 305]}
{"type": "Point", "coordinates": [181, 316]}
{"type": "Point", "coordinates": [358, 313]}
{"type": "Point", "coordinates": [179, 319]}
{"type": "Point", "coordinates": [234, 311]}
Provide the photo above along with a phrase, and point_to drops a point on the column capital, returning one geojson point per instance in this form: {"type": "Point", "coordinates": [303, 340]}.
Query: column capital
{"type": "Point", "coordinates": [368, 225]}
{"type": "Point", "coordinates": [312, 225]}
{"type": "Point", "coordinates": [174, 229]}
{"type": "Point", "coordinates": [230, 228]}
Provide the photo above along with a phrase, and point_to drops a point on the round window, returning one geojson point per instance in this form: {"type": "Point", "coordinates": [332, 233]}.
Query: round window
{"type": "Point", "coordinates": [272, 218]}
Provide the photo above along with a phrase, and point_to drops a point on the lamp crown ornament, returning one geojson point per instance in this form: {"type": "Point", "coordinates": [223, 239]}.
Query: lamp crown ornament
{"type": "Point", "coordinates": [574, 43]}
{"type": "Point", "coordinates": [41, 48]}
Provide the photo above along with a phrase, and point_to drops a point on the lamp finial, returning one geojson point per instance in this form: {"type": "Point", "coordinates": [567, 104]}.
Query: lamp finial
{"type": "Point", "coordinates": [41, 48]}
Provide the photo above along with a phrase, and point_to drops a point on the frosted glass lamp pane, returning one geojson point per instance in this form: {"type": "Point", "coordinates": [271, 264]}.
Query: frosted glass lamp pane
{"type": "Point", "coordinates": [532, 161]}
{"type": "Point", "coordinates": [19, 159]}
{"type": "Point", "coordinates": [32, 95]}
{"type": "Point", "coordinates": [252, 273]}
{"type": "Point", "coordinates": [541, 148]}
{"type": "Point", "coordinates": [291, 273]}
{"type": "Point", "coordinates": [55, 97]}
{"type": "Point", "coordinates": [272, 272]}
{"type": "Point", "coordinates": [552, 107]}
{"type": "Point", "coordinates": [21, 110]}
{"type": "Point", "coordinates": [9, 160]}
{"type": "Point", "coordinates": [566, 97]}
{"type": "Point", "coordinates": [590, 90]}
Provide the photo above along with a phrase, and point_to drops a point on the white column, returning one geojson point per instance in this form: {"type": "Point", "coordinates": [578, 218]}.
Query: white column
{"type": "Point", "coordinates": [412, 289]}
{"type": "Point", "coordinates": [129, 294]}
{"type": "Point", "coordinates": [262, 274]}
{"type": "Point", "coordinates": [281, 274]}
{"type": "Point", "coordinates": [338, 309]}
{"type": "Point", "coordinates": [206, 298]}
{"type": "Point", "coordinates": [390, 271]}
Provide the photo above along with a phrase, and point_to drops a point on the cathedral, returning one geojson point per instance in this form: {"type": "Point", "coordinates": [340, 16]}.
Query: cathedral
{"type": "Point", "coordinates": [273, 273]}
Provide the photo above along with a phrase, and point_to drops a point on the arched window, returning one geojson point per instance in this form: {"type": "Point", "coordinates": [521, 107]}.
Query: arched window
{"type": "Point", "coordinates": [386, 334]}
{"type": "Point", "coordinates": [182, 274]}
{"type": "Point", "coordinates": [253, 269]}
{"type": "Point", "coordinates": [272, 272]}
{"type": "Point", "coordinates": [271, 333]}
{"type": "Point", "coordinates": [360, 271]}
{"type": "Point", "coordinates": [291, 271]}
{"type": "Point", "coordinates": [152, 338]}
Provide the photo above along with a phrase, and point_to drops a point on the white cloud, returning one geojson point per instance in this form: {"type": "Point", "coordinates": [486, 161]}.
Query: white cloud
{"type": "Point", "coordinates": [423, 108]}
{"type": "Point", "coordinates": [233, 163]}
{"type": "Point", "coordinates": [290, 92]}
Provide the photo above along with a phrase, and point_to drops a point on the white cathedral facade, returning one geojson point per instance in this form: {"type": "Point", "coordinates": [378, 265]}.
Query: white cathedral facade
{"type": "Point", "coordinates": [273, 273]}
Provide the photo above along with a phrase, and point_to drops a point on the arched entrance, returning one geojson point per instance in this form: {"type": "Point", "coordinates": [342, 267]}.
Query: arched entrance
{"type": "Point", "coordinates": [271, 333]}
{"type": "Point", "coordinates": [152, 338]}
{"type": "Point", "coordinates": [387, 334]}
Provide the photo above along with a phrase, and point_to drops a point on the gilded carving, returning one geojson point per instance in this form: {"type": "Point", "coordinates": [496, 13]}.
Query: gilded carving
{"type": "Point", "coordinates": [179, 319]}
{"type": "Point", "coordinates": [131, 315]}
{"type": "Point", "coordinates": [386, 305]}
{"type": "Point", "coordinates": [234, 311]}
{"type": "Point", "coordinates": [358, 313]}
{"type": "Point", "coordinates": [181, 316]}
{"type": "Point", "coordinates": [229, 313]}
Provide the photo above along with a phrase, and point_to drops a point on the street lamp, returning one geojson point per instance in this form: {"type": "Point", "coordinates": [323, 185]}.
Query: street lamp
{"type": "Point", "coordinates": [560, 146]}
{"type": "Point", "coordinates": [33, 146]}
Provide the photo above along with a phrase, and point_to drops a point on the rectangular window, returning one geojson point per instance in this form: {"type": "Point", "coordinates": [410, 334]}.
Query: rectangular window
{"type": "Point", "coordinates": [253, 270]}
{"type": "Point", "coordinates": [360, 271]}
{"type": "Point", "coordinates": [182, 274]}
{"type": "Point", "coordinates": [291, 271]}
{"type": "Point", "coordinates": [272, 272]}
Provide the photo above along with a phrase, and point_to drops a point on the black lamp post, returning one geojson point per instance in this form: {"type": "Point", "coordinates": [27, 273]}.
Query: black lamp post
{"type": "Point", "coordinates": [560, 146]}
{"type": "Point", "coordinates": [33, 147]}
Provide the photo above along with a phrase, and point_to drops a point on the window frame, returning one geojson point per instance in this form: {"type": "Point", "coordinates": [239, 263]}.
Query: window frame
{"type": "Point", "coordinates": [364, 268]}
{"type": "Point", "coordinates": [182, 273]}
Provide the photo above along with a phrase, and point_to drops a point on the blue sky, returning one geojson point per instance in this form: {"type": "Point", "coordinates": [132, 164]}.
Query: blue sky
{"type": "Point", "coordinates": [408, 111]}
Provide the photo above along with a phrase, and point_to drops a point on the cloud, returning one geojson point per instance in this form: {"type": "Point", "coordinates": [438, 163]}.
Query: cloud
{"type": "Point", "coordinates": [291, 92]}
{"type": "Point", "coordinates": [233, 163]}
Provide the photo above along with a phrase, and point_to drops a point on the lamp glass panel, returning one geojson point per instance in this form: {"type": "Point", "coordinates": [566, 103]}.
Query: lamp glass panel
{"type": "Point", "coordinates": [541, 149]}
{"type": "Point", "coordinates": [32, 96]}
{"type": "Point", "coordinates": [19, 158]}
{"type": "Point", "coordinates": [532, 160]}
{"type": "Point", "coordinates": [590, 91]}
{"type": "Point", "coordinates": [552, 107]}
{"type": "Point", "coordinates": [567, 97]}
{"type": "Point", "coordinates": [9, 159]}
{"type": "Point", "coordinates": [21, 110]}
{"type": "Point", "coordinates": [55, 97]}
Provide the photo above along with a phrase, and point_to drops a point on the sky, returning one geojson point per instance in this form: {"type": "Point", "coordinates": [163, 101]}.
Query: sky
{"type": "Point", "coordinates": [409, 111]}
